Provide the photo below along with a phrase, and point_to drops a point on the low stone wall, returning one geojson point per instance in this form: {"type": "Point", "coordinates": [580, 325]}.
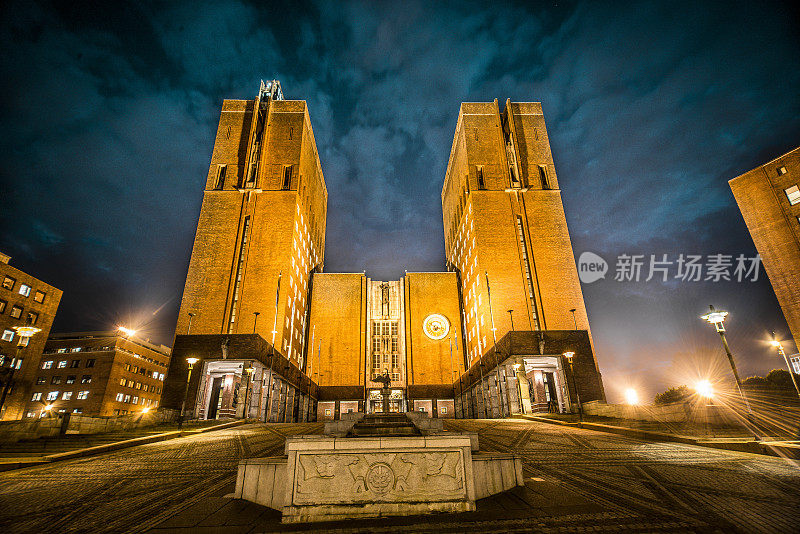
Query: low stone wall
{"type": "Point", "coordinates": [13, 431]}
{"type": "Point", "coordinates": [680, 412]}
{"type": "Point", "coordinates": [72, 423]}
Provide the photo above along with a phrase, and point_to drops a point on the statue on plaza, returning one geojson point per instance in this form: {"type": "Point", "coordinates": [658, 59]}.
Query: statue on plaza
{"type": "Point", "coordinates": [384, 379]}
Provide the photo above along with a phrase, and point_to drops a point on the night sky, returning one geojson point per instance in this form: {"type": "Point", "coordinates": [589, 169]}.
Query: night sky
{"type": "Point", "coordinates": [109, 115]}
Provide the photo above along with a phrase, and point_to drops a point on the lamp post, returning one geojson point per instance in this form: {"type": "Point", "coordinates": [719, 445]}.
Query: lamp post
{"type": "Point", "coordinates": [24, 333]}
{"type": "Point", "coordinates": [249, 375]}
{"type": "Point", "coordinates": [574, 321]}
{"type": "Point", "coordinates": [777, 344]}
{"type": "Point", "coordinates": [189, 328]}
{"type": "Point", "coordinates": [255, 320]}
{"type": "Point", "coordinates": [717, 317]}
{"type": "Point", "coordinates": [511, 315]}
{"type": "Point", "coordinates": [569, 355]}
{"type": "Point", "coordinates": [191, 362]}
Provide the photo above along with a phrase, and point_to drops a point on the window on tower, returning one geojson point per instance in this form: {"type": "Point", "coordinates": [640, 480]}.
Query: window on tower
{"type": "Point", "coordinates": [479, 173]}
{"type": "Point", "coordinates": [220, 182]}
{"type": "Point", "coordinates": [287, 177]}
{"type": "Point", "coordinates": [543, 177]}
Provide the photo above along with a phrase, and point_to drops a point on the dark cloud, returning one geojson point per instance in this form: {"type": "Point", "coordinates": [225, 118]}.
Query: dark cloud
{"type": "Point", "coordinates": [109, 116]}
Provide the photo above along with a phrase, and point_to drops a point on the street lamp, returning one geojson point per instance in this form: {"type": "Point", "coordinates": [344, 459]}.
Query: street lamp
{"type": "Point", "coordinates": [777, 344]}
{"type": "Point", "coordinates": [191, 362]}
{"type": "Point", "coordinates": [717, 317]}
{"type": "Point", "coordinates": [569, 355]}
{"type": "Point", "coordinates": [127, 331]}
{"type": "Point", "coordinates": [631, 397]}
{"type": "Point", "coordinates": [47, 408]}
{"type": "Point", "coordinates": [24, 333]}
{"type": "Point", "coordinates": [704, 389]}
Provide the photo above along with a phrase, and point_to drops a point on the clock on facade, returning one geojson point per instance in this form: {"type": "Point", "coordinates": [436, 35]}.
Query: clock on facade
{"type": "Point", "coordinates": [436, 326]}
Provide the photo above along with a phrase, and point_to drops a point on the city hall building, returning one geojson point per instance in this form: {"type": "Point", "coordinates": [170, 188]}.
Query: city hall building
{"type": "Point", "coordinates": [271, 336]}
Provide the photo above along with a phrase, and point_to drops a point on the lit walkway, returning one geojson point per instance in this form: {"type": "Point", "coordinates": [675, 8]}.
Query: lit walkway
{"type": "Point", "coordinates": [578, 480]}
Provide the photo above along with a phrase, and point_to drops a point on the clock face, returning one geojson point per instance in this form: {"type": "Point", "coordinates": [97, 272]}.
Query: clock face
{"type": "Point", "coordinates": [436, 326]}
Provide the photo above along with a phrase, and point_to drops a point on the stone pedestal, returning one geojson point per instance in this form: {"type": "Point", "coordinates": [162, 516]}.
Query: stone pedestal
{"type": "Point", "coordinates": [327, 478]}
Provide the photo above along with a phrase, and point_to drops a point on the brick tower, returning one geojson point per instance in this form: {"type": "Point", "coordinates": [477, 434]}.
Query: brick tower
{"type": "Point", "coordinates": [262, 219]}
{"type": "Point", "coordinates": [504, 225]}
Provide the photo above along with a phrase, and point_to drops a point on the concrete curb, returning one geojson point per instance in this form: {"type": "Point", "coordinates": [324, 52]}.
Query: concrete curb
{"type": "Point", "coordinates": [780, 449]}
{"type": "Point", "coordinates": [109, 447]}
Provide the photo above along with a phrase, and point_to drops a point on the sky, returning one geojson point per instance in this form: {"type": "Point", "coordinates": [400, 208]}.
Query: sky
{"type": "Point", "coordinates": [108, 114]}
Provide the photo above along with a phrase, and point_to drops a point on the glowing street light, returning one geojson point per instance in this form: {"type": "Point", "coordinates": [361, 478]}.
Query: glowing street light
{"type": "Point", "coordinates": [569, 355]}
{"type": "Point", "coordinates": [717, 317]}
{"type": "Point", "coordinates": [127, 331]}
{"type": "Point", "coordinates": [777, 344]}
{"type": "Point", "coordinates": [191, 362]}
{"type": "Point", "coordinates": [704, 389]}
{"type": "Point", "coordinates": [631, 397]}
{"type": "Point", "coordinates": [146, 409]}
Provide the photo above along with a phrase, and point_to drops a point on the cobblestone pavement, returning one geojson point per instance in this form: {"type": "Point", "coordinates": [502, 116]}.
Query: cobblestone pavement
{"type": "Point", "coordinates": [576, 481]}
{"type": "Point", "coordinates": [129, 490]}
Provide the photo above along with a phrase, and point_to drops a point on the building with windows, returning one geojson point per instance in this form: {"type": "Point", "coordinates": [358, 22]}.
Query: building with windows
{"type": "Point", "coordinates": [278, 339]}
{"type": "Point", "coordinates": [98, 373]}
{"type": "Point", "coordinates": [769, 199]}
{"type": "Point", "coordinates": [24, 301]}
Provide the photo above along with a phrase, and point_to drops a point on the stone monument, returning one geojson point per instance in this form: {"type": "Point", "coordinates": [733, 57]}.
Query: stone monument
{"type": "Point", "coordinates": [377, 468]}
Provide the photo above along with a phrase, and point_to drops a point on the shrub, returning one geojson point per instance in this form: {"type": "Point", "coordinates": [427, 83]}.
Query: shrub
{"type": "Point", "coordinates": [673, 394]}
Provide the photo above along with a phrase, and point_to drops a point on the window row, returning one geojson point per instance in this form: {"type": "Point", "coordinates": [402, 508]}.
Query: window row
{"type": "Point", "coordinates": [24, 289]}
{"type": "Point", "coordinates": [62, 364]}
{"type": "Point", "coordinates": [66, 395]}
{"type": "Point", "coordinates": [135, 369]}
{"type": "Point", "coordinates": [127, 382]}
{"type": "Point", "coordinates": [85, 379]}
{"type": "Point", "coordinates": [134, 399]}
{"type": "Point", "coordinates": [17, 311]}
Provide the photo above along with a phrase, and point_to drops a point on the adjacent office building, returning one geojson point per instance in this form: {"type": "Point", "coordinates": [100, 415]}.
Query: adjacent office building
{"type": "Point", "coordinates": [24, 301]}
{"type": "Point", "coordinates": [278, 339]}
{"type": "Point", "coordinates": [769, 199]}
{"type": "Point", "coordinates": [98, 373]}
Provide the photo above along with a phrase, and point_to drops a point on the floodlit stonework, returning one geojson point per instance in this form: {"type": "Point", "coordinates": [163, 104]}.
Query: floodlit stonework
{"type": "Point", "coordinates": [769, 199]}
{"type": "Point", "coordinates": [280, 340]}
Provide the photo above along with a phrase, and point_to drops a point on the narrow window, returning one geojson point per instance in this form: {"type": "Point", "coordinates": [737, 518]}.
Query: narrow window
{"type": "Point", "coordinates": [792, 193]}
{"type": "Point", "coordinates": [239, 270]}
{"type": "Point", "coordinates": [71, 379]}
{"type": "Point", "coordinates": [529, 279]}
{"type": "Point", "coordinates": [291, 132]}
{"type": "Point", "coordinates": [287, 177]}
{"type": "Point", "coordinates": [220, 183]}
{"type": "Point", "coordinates": [8, 283]}
{"type": "Point", "coordinates": [781, 170]}
{"type": "Point", "coordinates": [32, 318]}
{"type": "Point", "coordinates": [3, 305]}
{"type": "Point", "coordinates": [39, 296]}
{"type": "Point", "coordinates": [90, 363]}
{"type": "Point", "coordinates": [24, 290]}
{"type": "Point", "coordinates": [481, 182]}
{"type": "Point", "coordinates": [543, 177]}
{"type": "Point", "coordinates": [16, 312]}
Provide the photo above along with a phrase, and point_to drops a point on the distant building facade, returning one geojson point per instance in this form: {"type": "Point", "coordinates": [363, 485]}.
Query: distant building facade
{"type": "Point", "coordinates": [279, 340]}
{"type": "Point", "coordinates": [769, 199]}
{"type": "Point", "coordinates": [98, 373]}
{"type": "Point", "coordinates": [24, 301]}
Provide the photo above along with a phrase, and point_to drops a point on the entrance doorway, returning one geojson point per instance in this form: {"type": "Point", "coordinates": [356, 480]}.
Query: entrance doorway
{"type": "Point", "coordinates": [215, 399]}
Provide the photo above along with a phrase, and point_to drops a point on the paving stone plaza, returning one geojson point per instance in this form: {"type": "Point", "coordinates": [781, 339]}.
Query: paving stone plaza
{"type": "Point", "coordinates": [576, 480]}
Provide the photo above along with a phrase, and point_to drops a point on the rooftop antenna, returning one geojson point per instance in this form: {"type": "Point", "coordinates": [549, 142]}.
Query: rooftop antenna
{"type": "Point", "coordinates": [270, 89]}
